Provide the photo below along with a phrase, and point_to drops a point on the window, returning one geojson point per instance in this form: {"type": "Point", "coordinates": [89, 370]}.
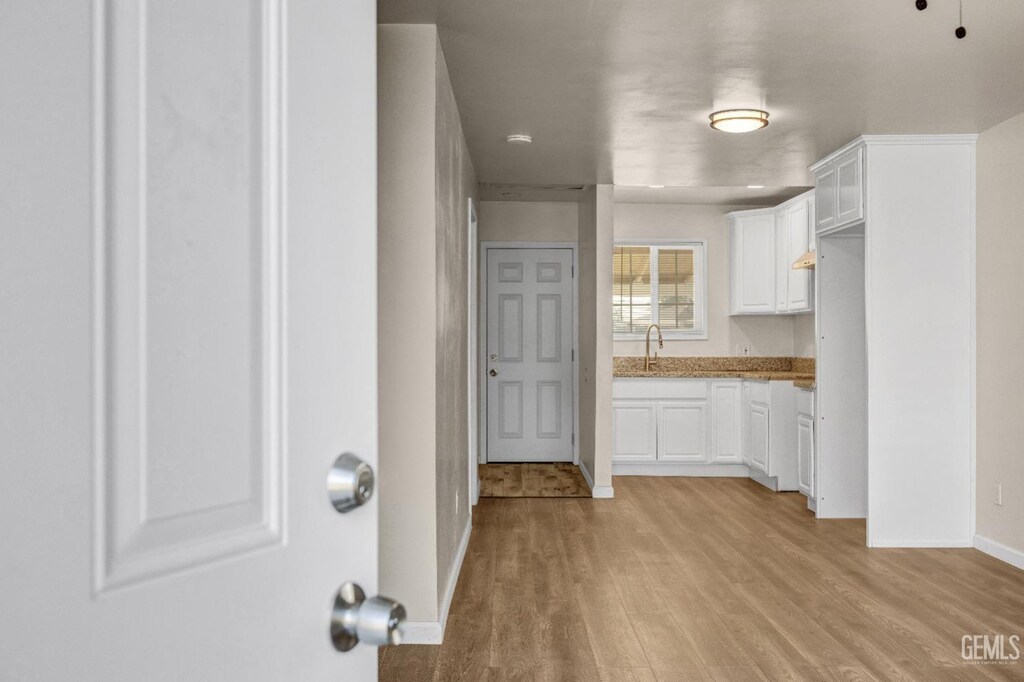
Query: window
{"type": "Point", "coordinates": [663, 283]}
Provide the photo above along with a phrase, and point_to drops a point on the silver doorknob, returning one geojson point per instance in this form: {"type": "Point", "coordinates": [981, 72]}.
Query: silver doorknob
{"type": "Point", "coordinates": [377, 621]}
{"type": "Point", "coordinates": [349, 483]}
{"type": "Point", "coordinates": [493, 372]}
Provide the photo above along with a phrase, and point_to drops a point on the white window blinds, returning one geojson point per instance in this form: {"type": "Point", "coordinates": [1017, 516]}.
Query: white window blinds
{"type": "Point", "coordinates": [661, 283]}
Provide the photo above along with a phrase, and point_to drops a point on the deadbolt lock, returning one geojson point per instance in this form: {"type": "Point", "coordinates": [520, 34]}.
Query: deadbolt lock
{"type": "Point", "coordinates": [349, 483]}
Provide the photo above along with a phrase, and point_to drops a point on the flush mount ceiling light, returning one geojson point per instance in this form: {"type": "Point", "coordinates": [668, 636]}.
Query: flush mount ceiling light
{"type": "Point", "coordinates": [739, 120]}
{"type": "Point", "coordinates": [755, 186]}
{"type": "Point", "coordinates": [519, 139]}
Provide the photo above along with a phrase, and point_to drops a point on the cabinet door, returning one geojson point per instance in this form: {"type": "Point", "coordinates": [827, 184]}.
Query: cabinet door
{"type": "Point", "coordinates": [812, 233]}
{"type": "Point", "coordinates": [798, 282]}
{"type": "Point", "coordinates": [805, 453]}
{"type": "Point", "coordinates": [682, 429]}
{"type": "Point", "coordinates": [849, 192]}
{"type": "Point", "coordinates": [825, 186]}
{"type": "Point", "coordinates": [757, 439]}
{"type": "Point", "coordinates": [753, 264]}
{"type": "Point", "coordinates": [782, 261]}
{"type": "Point", "coordinates": [634, 431]}
{"type": "Point", "coordinates": [726, 422]}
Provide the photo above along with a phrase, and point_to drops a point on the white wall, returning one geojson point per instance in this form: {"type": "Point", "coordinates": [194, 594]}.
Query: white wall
{"type": "Point", "coordinates": [595, 295]}
{"type": "Point", "coordinates": [1000, 343]}
{"type": "Point", "coordinates": [803, 336]}
{"type": "Point", "coordinates": [407, 306]}
{"type": "Point", "coordinates": [528, 221]}
{"type": "Point", "coordinates": [764, 335]}
{"type": "Point", "coordinates": [425, 176]}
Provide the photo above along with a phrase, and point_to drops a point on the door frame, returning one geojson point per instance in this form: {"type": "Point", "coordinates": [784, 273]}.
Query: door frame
{"type": "Point", "coordinates": [472, 354]}
{"type": "Point", "coordinates": [482, 340]}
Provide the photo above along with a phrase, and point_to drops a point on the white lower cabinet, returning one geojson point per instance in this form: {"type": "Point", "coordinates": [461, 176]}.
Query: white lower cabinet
{"type": "Point", "coordinates": [682, 430]}
{"type": "Point", "coordinates": [634, 431]}
{"type": "Point", "coordinates": [805, 442]}
{"type": "Point", "coordinates": [708, 427]}
{"type": "Point", "coordinates": [771, 440]}
{"type": "Point", "coordinates": [727, 421]}
{"type": "Point", "coordinates": [758, 418]}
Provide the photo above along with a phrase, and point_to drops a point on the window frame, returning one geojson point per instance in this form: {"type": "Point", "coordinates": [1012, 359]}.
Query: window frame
{"type": "Point", "coordinates": [700, 281]}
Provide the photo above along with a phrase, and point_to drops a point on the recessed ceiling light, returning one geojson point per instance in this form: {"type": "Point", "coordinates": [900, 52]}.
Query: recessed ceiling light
{"type": "Point", "coordinates": [755, 186]}
{"type": "Point", "coordinates": [739, 120]}
{"type": "Point", "coordinates": [519, 139]}
{"type": "Point", "coordinates": [656, 186]}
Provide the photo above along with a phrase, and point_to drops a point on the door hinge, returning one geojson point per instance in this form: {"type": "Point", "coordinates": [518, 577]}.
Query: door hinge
{"type": "Point", "coordinates": [573, 355]}
{"type": "Point", "coordinates": [572, 270]}
{"type": "Point", "coordinates": [573, 442]}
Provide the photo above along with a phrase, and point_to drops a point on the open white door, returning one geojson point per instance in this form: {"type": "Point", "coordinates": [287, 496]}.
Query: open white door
{"type": "Point", "coordinates": [187, 192]}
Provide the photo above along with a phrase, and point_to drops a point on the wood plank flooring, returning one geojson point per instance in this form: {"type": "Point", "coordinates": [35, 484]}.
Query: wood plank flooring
{"type": "Point", "coordinates": [706, 579]}
{"type": "Point", "coordinates": [532, 480]}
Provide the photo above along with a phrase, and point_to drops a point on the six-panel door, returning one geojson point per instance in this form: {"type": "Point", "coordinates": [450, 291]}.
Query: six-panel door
{"type": "Point", "coordinates": [529, 355]}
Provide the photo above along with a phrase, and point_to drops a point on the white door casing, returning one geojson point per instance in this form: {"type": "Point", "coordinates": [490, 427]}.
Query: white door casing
{"type": "Point", "coordinates": [189, 192]}
{"type": "Point", "coordinates": [529, 349]}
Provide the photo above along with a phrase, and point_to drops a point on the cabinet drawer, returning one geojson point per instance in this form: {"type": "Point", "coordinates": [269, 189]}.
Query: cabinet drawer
{"type": "Point", "coordinates": [660, 389]}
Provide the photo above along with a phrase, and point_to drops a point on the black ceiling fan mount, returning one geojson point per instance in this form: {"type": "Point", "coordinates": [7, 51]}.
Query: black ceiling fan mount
{"type": "Point", "coordinates": [960, 31]}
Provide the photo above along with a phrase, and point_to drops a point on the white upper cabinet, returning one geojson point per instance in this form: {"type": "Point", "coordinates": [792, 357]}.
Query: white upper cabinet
{"type": "Point", "coordinates": [839, 190]}
{"type": "Point", "coordinates": [798, 282]}
{"type": "Point", "coordinates": [752, 262]}
{"type": "Point", "coordinates": [764, 244]}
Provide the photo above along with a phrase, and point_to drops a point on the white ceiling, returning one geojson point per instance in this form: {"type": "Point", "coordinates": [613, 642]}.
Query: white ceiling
{"type": "Point", "coordinates": [618, 91]}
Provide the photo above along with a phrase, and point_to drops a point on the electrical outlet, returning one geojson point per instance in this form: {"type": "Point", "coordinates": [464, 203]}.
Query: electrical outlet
{"type": "Point", "coordinates": [999, 494]}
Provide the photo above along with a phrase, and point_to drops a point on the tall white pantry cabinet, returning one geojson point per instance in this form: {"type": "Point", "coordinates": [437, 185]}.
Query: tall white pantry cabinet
{"type": "Point", "coordinates": [895, 337]}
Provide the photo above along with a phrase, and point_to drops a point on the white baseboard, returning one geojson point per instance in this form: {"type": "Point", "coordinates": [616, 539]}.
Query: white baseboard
{"type": "Point", "coordinates": [1014, 557]}
{"type": "Point", "coordinates": [432, 632]}
{"type": "Point", "coordinates": [423, 632]}
{"type": "Point", "coordinates": [918, 544]}
{"type": "Point", "coordinates": [679, 469]}
{"type": "Point", "coordinates": [604, 492]}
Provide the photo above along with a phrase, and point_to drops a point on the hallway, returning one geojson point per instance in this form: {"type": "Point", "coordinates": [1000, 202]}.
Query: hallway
{"type": "Point", "coordinates": [706, 579]}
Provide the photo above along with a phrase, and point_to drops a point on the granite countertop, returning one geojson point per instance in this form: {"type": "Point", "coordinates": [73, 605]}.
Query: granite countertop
{"type": "Point", "coordinates": [801, 371]}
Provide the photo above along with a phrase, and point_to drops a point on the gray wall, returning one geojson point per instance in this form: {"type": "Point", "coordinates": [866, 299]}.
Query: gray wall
{"type": "Point", "coordinates": [595, 295]}
{"type": "Point", "coordinates": [528, 221]}
{"type": "Point", "coordinates": [456, 182]}
{"type": "Point", "coordinates": [425, 178]}
{"type": "Point", "coordinates": [1000, 330]}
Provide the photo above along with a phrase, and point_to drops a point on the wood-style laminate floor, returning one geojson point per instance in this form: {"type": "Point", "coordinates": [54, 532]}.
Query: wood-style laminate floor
{"type": "Point", "coordinates": [706, 579]}
{"type": "Point", "coordinates": [533, 479]}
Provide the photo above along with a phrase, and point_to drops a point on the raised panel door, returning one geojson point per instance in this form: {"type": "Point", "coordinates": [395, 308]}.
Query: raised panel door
{"type": "Point", "coordinates": [682, 430]}
{"type": "Point", "coordinates": [758, 436]}
{"type": "Point", "coordinates": [634, 431]}
{"type": "Point", "coordinates": [805, 453]}
{"type": "Point", "coordinates": [726, 422]}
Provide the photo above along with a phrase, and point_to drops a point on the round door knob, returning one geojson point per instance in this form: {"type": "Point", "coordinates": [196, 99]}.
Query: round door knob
{"type": "Point", "coordinates": [377, 621]}
{"type": "Point", "coordinates": [349, 483]}
{"type": "Point", "coordinates": [493, 372]}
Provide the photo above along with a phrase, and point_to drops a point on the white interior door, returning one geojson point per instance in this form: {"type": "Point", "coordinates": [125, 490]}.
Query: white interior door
{"type": "Point", "coordinates": [188, 200]}
{"type": "Point", "coordinates": [529, 355]}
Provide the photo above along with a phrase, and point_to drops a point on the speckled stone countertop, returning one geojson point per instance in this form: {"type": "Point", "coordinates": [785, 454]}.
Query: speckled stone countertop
{"type": "Point", "coordinates": [801, 371]}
